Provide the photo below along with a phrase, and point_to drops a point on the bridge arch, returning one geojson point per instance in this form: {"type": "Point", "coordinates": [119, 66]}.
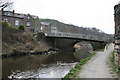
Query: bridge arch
{"type": "Point", "coordinates": [82, 49]}
{"type": "Point", "coordinates": [68, 44]}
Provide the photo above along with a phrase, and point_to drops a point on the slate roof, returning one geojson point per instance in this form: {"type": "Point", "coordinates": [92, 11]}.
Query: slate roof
{"type": "Point", "coordinates": [17, 15]}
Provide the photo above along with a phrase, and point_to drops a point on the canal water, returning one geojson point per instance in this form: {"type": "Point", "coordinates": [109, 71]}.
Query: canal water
{"type": "Point", "coordinates": [53, 65]}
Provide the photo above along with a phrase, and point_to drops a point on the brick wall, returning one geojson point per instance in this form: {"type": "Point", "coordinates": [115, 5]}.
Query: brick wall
{"type": "Point", "coordinates": [117, 33]}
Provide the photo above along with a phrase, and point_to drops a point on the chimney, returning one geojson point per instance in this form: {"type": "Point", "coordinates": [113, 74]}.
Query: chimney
{"type": "Point", "coordinates": [13, 11]}
{"type": "Point", "coordinates": [2, 10]}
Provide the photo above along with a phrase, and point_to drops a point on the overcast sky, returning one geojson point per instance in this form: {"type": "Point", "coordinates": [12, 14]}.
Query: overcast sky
{"type": "Point", "coordinates": [86, 13]}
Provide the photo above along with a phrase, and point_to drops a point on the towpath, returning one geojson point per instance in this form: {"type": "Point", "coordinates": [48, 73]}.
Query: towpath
{"type": "Point", "coordinates": [97, 66]}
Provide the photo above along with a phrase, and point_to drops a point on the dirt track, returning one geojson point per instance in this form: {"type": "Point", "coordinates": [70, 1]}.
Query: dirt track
{"type": "Point", "coordinates": [97, 66]}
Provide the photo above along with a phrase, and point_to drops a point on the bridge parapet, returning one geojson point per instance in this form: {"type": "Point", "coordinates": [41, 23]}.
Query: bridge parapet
{"type": "Point", "coordinates": [79, 36]}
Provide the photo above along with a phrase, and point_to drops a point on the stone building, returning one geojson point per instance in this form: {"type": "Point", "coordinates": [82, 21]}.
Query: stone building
{"type": "Point", "coordinates": [31, 22]}
{"type": "Point", "coordinates": [45, 27]}
{"type": "Point", "coordinates": [117, 33]}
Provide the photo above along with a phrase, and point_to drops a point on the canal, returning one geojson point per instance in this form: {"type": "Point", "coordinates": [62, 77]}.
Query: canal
{"type": "Point", "coordinates": [53, 65]}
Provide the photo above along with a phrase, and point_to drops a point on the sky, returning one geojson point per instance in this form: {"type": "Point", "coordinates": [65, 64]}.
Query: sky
{"type": "Point", "coordinates": [86, 13]}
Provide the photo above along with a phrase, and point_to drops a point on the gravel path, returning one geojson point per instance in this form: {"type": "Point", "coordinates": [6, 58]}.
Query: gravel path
{"type": "Point", "coordinates": [96, 67]}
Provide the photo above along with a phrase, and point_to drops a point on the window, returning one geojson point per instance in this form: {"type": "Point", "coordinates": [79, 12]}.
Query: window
{"type": "Point", "coordinates": [8, 14]}
{"type": "Point", "coordinates": [16, 22]}
{"type": "Point", "coordinates": [5, 13]}
{"type": "Point", "coordinates": [32, 30]}
{"type": "Point", "coordinates": [28, 24]}
{"type": "Point", "coordinates": [5, 19]}
{"type": "Point", "coordinates": [28, 17]}
{"type": "Point", "coordinates": [41, 28]}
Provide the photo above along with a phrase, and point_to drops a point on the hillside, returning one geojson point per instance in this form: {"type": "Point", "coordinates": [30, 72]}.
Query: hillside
{"type": "Point", "coordinates": [14, 40]}
{"type": "Point", "coordinates": [62, 27]}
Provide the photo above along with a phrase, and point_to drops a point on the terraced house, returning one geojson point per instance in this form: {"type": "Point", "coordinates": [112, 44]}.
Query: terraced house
{"type": "Point", "coordinates": [31, 22]}
{"type": "Point", "coordinates": [117, 33]}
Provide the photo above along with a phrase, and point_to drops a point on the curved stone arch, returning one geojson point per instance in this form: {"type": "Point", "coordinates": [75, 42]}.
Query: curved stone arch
{"type": "Point", "coordinates": [95, 44]}
{"type": "Point", "coordinates": [82, 49]}
{"type": "Point", "coordinates": [84, 44]}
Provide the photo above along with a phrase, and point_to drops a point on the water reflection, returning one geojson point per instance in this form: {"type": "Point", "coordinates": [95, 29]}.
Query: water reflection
{"type": "Point", "coordinates": [38, 65]}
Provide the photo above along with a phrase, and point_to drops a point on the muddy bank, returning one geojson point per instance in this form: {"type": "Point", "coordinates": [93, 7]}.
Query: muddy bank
{"type": "Point", "coordinates": [16, 53]}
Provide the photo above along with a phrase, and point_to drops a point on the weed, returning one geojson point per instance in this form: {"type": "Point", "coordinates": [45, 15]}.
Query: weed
{"type": "Point", "coordinates": [114, 67]}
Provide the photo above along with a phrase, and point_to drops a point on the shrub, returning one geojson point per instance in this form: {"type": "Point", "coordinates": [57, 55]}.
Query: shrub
{"type": "Point", "coordinates": [21, 27]}
{"type": "Point", "coordinates": [6, 24]}
{"type": "Point", "coordinates": [115, 68]}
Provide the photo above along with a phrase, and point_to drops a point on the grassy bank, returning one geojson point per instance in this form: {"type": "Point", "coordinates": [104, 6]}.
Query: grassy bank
{"type": "Point", "coordinates": [113, 66]}
{"type": "Point", "coordinates": [74, 71]}
{"type": "Point", "coordinates": [19, 42]}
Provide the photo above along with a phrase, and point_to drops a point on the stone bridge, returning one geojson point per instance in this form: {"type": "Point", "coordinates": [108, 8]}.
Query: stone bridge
{"type": "Point", "coordinates": [78, 36]}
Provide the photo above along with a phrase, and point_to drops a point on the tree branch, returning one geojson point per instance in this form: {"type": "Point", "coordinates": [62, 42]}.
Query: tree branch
{"type": "Point", "coordinates": [6, 4]}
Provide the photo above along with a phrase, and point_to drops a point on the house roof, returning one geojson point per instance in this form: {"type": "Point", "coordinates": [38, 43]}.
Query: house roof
{"type": "Point", "coordinates": [18, 15]}
{"type": "Point", "coordinates": [45, 23]}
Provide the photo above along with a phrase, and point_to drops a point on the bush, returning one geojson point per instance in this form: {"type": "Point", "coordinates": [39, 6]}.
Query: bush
{"type": "Point", "coordinates": [6, 24]}
{"type": "Point", "coordinates": [21, 27]}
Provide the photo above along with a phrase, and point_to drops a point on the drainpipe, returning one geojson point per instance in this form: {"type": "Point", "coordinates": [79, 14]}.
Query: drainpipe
{"type": "Point", "coordinates": [55, 43]}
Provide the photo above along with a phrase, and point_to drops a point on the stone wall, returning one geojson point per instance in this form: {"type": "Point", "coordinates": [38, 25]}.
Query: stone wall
{"type": "Point", "coordinates": [31, 22]}
{"type": "Point", "coordinates": [117, 33]}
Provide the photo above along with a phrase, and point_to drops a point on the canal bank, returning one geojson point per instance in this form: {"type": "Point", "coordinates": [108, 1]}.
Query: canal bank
{"type": "Point", "coordinates": [96, 67]}
{"type": "Point", "coordinates": [73, 73]}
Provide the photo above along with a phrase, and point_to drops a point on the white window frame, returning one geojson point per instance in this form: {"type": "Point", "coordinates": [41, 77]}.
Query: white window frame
{"type": "Point", "coordinates": [17, 22]}
{"type": "Point", "coordinates": [28, 24]}
{"type": "Point", "coordinates": [41, 28]}
{"type": "Point", "coordinates": [28, 17]}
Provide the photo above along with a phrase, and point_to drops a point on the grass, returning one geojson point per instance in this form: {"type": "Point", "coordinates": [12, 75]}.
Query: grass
{"type": "Point", "coordinates": [74, 71]}
{"type": "Point", "coordinates": [114, 67]}
{"type": "Point", "coordinates": [101, 50]}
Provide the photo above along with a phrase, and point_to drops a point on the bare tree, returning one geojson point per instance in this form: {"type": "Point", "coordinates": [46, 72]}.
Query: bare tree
{"type": "Point", "coordinates": [6, 4]}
